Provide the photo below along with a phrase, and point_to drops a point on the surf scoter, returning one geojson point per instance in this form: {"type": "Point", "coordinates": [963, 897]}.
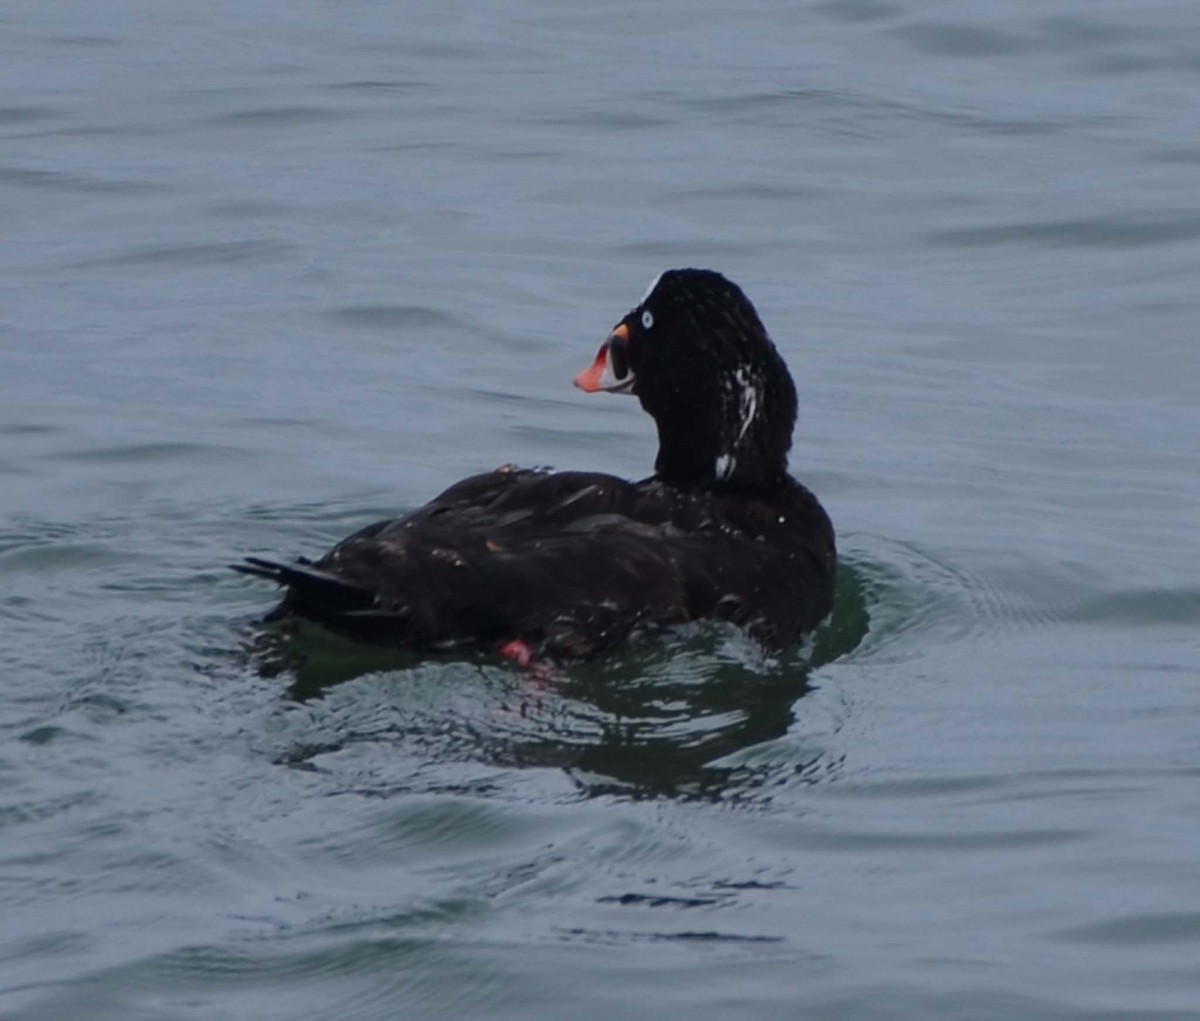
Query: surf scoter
{"type": "Point", "coordinates": [533, 562]}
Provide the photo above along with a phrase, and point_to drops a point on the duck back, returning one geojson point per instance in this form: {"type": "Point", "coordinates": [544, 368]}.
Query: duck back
{"type": "Point", "coordinates": [570, 563]}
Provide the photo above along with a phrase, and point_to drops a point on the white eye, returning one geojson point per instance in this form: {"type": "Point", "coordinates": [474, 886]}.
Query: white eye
{"type": "Point", "coordinates": [647, 320]}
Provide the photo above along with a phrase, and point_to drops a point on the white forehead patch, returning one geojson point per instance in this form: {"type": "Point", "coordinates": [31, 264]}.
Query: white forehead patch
{"type": "Point", "coordinates": [650, 289]}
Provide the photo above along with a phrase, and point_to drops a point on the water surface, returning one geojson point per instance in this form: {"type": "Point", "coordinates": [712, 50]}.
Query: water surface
{"type": "Point", "coordinates": [270, 271]}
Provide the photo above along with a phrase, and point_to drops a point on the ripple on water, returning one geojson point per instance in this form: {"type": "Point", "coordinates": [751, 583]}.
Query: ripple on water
{"type": "Point", "coordinates": [1139, 608]}
{"type": "Point", "coordinates": [325, 973]}
{"type": "Point", "coordinates": [140, 452]}
{"type": "Point", "coordinates": [27, 114]}
{"type": "Point", "coordinates": [279, 117]}
{"type": "Point", "coordinates": [62, 556]}
{"type": "Point", "coordinates": [1130, 231]}
{"type": "Point", "coordinates": [962, 39]}
{"type": "Point", "coordinates": [432, 827]}
{"type": "Point", "coordinates": [1138, 930]}
{"type": "Point", "coordinates": [917, 597]}
{"type": "Point", "coordinates": [63, 181]}
{"type": "Point", "coordinates": [389, 318]}
{"type": "Point", "coordinates": [381, 85]}
{"type": "Point", "coordinates": [193, 255]}
{"type": "Point", "coordinates": [858, 10]}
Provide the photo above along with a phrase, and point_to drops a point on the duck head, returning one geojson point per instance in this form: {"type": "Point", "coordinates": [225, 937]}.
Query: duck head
{"type": "Point", "coordinates": [696, 355]}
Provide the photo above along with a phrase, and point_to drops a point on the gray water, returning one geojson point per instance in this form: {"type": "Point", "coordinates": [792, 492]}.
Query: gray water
{"type": "Point", "coordinates": [269, 271]}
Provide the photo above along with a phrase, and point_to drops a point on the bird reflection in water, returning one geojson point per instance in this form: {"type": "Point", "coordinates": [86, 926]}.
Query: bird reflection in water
{"type": "Point", "coordinates": [656, 718]}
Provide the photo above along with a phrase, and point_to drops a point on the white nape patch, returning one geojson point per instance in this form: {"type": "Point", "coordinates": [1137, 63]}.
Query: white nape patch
{"type": "Point", "coordinates": [726, 464]}
{"type": "Point", "coordinates": [748, 405]}
{"type": "Point", "coordinates": [650, 289]}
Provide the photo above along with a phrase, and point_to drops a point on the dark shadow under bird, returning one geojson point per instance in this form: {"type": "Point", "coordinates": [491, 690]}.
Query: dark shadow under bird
{"type": "Point", "coordinates": [567, 564]}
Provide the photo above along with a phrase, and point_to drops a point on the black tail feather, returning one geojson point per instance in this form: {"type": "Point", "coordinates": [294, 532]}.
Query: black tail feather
{"type": "Point", "coordinates": [258, 568]}
{"type": "Point", "coordinates": [311, 592]}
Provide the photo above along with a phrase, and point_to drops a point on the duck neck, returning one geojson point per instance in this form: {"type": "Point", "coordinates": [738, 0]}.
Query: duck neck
{"type": "Point", "coordinates": [686, 467]}
{"type": "Point", "coordinates": [742, 443]}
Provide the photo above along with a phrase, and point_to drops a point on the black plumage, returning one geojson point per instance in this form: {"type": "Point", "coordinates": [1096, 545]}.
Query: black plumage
{"type": "Point", "coordinates": [569, 563]}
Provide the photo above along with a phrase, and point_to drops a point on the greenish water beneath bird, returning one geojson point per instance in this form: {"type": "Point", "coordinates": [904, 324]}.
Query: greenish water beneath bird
{"type": "Point", "coordinates": [270, 273]}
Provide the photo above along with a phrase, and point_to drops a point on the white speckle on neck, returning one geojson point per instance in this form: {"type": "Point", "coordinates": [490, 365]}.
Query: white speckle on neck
{"type": "Point", "coordinates": [724, 466]}
{"type": "Point", "coordinates": [650, 289]}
